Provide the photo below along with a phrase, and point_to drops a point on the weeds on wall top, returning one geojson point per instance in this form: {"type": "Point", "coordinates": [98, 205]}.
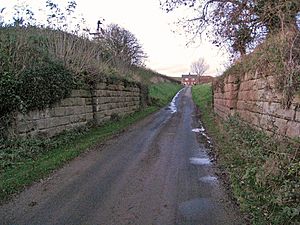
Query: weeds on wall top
{"type": "Point", "coordinates": [278, 56]}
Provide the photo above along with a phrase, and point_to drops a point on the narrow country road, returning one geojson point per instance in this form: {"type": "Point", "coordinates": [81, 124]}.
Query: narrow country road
{"type": "Point", "coordinates": [157, 172]}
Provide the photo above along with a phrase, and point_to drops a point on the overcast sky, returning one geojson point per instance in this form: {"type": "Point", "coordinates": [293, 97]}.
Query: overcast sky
{"type": "Point", "coordinates": [167, 51]}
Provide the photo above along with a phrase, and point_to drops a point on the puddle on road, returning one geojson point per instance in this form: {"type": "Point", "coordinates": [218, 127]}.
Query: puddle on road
{"type": "Point", "coordinates": [205, 135]}
{"type": "Point", "coordinates": [172, 107]}
{"type": "Point", "coordinates": [200, 161]}
{"type": "Point", "coordinates": [201, 130]}
{"type": "Point", "coordinates": [198, 209]}
{"type": "Point", "coordinates": [198, 130]}
{"type": "Point", "coordinates": [209, 179]}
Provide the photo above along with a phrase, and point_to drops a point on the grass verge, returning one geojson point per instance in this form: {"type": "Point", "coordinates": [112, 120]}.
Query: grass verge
{"type": "Point", "coordinates": [23, 161]}
{"type": "Point", "coordinates": [263, 171]}
{"type": "Point", "coordinates": [162, 93]}
{"type": "Point", "coordinates": [37, 157]}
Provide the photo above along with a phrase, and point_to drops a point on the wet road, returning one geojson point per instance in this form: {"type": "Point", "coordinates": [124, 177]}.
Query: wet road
{"type": "Point", "coordinates": [154, 173]}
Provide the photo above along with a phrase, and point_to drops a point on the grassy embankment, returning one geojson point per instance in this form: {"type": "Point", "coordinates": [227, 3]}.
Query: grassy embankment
{"type": "Point", "coordinates": [158, 93]}
{"type": "Point", "coordinates": [24, 161]}
{"type": "Point", "coordinates": [263, 171]}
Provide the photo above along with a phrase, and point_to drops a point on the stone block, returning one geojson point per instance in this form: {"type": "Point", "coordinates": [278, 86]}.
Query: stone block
{"type": "Point", "coordinates": [269, 96]}
{"type": "Point", "coordinates": [259, 106]}
{"type": "Point", "coordinates": [88, 109]}
{"type": "Point", "coordinates": [252, 106]}
{"type": "Point", "coordinates": [79, 109]}
{"type": "Point", "coordinates": [102, 107]}
{"type": "Point", "coordinates": [101, 86]}
{"type": "Point", "coordinates": [280, 126]}
{"type": "Point", "coordinates": [89, 116]}
{"type": "Point", "coordinates": [99, 115]}
{"type": "Point", "coordinates": [54, 122]}
{"type": "Point", "coordinates": [67, 102]}
{"type": "Point", "coordinates": [277, 110]}
{"type": "Point", "coordinates": [79, 101]}
{"type": "Point", "coordinates": [247, 85]}
{"type": "Point", "coordinates": [45, 113]}
{"type": "Point", "coordinates": [248, 76]}
{"type": "Point", "coordinates": [243, 95]}
{"type": "Point", "coordinates": [255, 118]}
{"type": "Point", "coordinates": [76, 93]}
{"type": "Point", "coordinates": [297, 117]}
{"type": "Point", "coordinates": [120, 104]}
{"type": "Point", "coordinates": [34, 115]}
{"type": "Point", "coordinates": [271, 82]}
{"type": "Point", "coordinates": [241, 105]}
{"type": "Point", "coordinates": [112, 87]}
{"type": "Point", "coordinates": [75, 119]}
{"type": "Point", "coordinates": [101, 93]}
{"type": "Point", "coordinates": [25, 127]}
{"type": "Point", "coordinates": [296, 99]}
{"type": "Point", "coordinates": [267, 122]}
{"type": "Point", "coordinates": [107, 113]}
{"type": "Point", "coordinates": [261, 84]}
{"type": "Point", "coordinates": [231, 87]}
{"type": "Point", "coordinates": [88, 101]}
{"type": "Point", "coordinates": [102, 100]}
{"type": "Point", "coordinates": [293, 129]}
{"type": "Point", "coordinates": [69, 110]}
{"type": "Point", "coordinates": [41, 124]}
{"type": "Point", "coordinates": [120, 87]}
{"type": "Point", "coordinates": [231, 95]}
{"type": "Point", "coordinates": [220, 113]}
{"type": "Point", "coordinates": [59, 111]}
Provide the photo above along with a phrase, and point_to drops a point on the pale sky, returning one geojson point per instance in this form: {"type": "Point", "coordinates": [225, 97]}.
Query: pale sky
{"type": "Point", "coordinates": [167, 51]}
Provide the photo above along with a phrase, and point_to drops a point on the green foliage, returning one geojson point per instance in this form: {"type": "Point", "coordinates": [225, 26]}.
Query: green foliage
{"type": "Point", "coordinates": [9, 94]}
{"type": "Point", "coordinates": [202, 96]}
{"type": "Point", "coordinates": [162, 93]}
{"type": "Point", "coordinates": [264, 171]}
{"type": "Point", "coordinates": [29, 77]}
{"type": "Point", "coordinates": [52, 82]}
{"type": "Point", "coordinates": [34, 88]}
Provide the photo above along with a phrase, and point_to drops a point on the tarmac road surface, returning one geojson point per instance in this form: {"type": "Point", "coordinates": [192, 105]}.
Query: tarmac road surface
{"type": "Point", "coordinates": [157, 172]}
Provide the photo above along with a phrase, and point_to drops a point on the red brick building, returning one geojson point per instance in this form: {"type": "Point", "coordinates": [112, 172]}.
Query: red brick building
{"type": "Point", "coordinates": [189, 80]}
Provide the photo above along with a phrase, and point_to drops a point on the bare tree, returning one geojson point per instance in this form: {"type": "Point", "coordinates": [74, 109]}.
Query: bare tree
{"type": "Point", "coordinates": [240, 24]}
{"type": "Point", "coordinates": [121, 47]}
{"type": "Point", "coordinates": [199, 67]}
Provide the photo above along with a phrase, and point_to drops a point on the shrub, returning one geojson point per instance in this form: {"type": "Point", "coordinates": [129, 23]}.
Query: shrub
{"type": "Point", "coordinates": [51, 81]}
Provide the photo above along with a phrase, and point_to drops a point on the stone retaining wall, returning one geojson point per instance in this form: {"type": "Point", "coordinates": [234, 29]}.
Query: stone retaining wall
{"type": "Point", "coordinates": [255, 99]}
{"type": "Point", "coordinates": [84, 106]}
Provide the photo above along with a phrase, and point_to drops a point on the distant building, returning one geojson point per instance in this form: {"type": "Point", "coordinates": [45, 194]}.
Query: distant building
{"type": "Point", "coordinates": [189, 79]}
